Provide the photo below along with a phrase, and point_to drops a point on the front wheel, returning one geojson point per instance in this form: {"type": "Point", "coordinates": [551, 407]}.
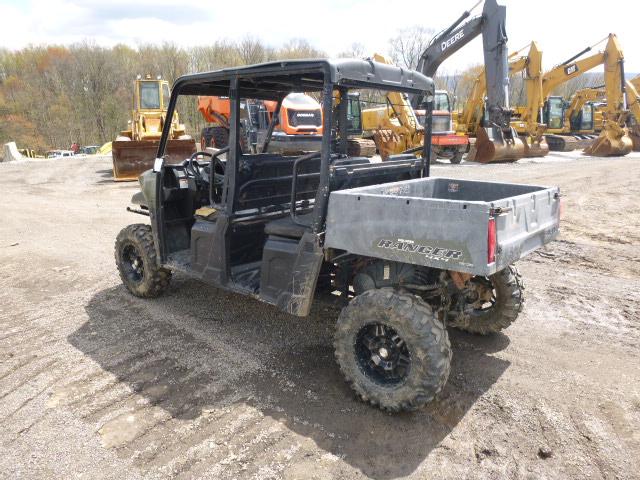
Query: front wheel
{"type": "Point", "coordinates": [392, 349]}
{"type": "Point", "coordinates": [492, 304]}
{"type": "Point", "coordinates": [137, 262]}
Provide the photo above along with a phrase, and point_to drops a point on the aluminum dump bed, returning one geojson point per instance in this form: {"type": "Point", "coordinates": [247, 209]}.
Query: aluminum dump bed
{"type": "Point", "coordinates": [461, 225]}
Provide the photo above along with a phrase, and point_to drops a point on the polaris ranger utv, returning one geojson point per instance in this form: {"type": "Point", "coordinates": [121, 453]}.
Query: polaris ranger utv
{"type": "Point", "coordinates": [410, 254]}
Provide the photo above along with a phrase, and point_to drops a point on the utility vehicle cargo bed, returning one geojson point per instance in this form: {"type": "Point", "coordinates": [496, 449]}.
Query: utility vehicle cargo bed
{"type": "Point", "coordinates": [444, 223]}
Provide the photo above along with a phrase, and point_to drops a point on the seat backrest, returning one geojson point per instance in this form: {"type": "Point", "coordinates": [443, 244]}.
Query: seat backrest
{"type": "Point", "coordinates": [265, 180]}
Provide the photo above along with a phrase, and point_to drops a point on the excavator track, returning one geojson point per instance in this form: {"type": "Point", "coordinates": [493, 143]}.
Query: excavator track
{"type": "Point", "coordinates": [361, 147]}
{"type": "Point", "coordinates": [569, 143]}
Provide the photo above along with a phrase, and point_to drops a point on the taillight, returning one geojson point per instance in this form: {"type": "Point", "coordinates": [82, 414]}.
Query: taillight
{"type": "Point", "coordinates": [491, 241]}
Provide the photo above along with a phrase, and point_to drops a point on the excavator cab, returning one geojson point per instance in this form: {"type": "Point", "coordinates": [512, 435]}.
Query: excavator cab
{"type": "Point", "coordinates": [583, 120]}
{"type": "Point", "coordinates": [554, 111]}
{"type": "Point", "coordinates": [354, 114]}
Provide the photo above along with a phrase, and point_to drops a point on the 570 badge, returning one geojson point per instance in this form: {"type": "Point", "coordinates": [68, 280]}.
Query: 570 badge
{"type": "Point", "coordinates": [410, 246]}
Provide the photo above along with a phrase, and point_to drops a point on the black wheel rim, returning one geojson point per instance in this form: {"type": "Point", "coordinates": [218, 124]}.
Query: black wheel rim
{"type": "Point", "coordinates": [132, 263]}
{"type": "Point", "coordinates": [382, 354]}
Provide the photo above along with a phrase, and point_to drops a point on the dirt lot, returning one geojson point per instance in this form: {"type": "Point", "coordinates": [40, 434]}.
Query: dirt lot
{"type": "Point", "coordinates": [95, 383]}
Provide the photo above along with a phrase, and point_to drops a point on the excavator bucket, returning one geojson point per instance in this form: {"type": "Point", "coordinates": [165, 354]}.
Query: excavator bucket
{"type": "Point", "coordinates": [131, 158]}
{"type": "Point", "coordinates": [534, 147]}
{"type": "Point", "coordinates": [487, 150]}
{"type": "Point", "coordinates": [611, 143]}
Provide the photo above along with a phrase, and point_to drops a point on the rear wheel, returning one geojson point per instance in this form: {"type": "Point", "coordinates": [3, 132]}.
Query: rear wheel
{"type": "Point", "coordinates": [137, 262]}
{"type": "Point", "coordinates": [392, 349]}
{"type": "Point", "coordinates": [493, 303]}
{"type": "Point", "coordinates": [457, 157]}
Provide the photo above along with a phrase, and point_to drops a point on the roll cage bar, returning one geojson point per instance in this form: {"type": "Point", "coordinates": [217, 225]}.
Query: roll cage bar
{"type": "Point", "coordinates": [274, 81]}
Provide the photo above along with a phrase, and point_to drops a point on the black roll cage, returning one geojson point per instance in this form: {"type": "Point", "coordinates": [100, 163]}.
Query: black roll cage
{"type": "Point", "coordinates": [273, 81]}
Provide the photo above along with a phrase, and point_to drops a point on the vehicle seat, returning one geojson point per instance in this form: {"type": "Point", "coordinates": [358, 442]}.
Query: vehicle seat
{"type": "Point", "coordinates": [284, 227]}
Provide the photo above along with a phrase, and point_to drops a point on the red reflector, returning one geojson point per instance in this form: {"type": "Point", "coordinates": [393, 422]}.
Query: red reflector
{"type": "Point", "coordinates": [491, 241]}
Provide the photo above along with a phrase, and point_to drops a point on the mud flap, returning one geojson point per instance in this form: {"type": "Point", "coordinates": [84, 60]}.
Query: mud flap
{"type": "Point", "coordinates": [304, 277]}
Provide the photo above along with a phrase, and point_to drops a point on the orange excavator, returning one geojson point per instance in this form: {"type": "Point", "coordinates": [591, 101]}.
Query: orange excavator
{"type": "Point", "coordinates": [135, 149]}
{"type": "Point", "coordinates": [293, 125]}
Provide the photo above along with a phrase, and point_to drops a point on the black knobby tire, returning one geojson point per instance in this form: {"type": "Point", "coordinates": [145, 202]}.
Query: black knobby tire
{"type": "Point", "coordinates": [419, 329]}
{"type": "Point", "coordinates": [509, 299]}
{"type": "Point", "coordinates": [220, 137]}
{"type": "Point", "coordinates": [457, 157]}
{"type": "Point", "coordinates": [137, 262]}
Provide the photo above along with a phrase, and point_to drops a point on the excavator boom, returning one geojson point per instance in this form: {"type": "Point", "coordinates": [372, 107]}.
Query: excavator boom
{"type": "Point", "coordinates": [613, 139]}
{"type": "Point", "coordinates": [633, 103]}
{"type": "Point", "coordinates": [528, 126]}
{"type": "Point", "coordinates": [495, 141]}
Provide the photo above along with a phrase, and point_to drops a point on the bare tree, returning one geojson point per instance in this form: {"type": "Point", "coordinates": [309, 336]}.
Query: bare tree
{"type": "Point", "coordinates": [408, 44]}
{"type": "Point", "coordinates": [357, 50]}
{"type": "Point", "coordinates": [251, 50]}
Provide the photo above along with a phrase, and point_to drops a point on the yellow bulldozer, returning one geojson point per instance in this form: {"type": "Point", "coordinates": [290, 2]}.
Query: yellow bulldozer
{"type": "Point", "coordinates": [135, 149]}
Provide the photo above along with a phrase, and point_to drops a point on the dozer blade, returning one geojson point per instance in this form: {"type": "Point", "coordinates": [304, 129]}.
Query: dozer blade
{"type": "Point", "coordinates": [131, 158]}
{"type": "Point", "coordinates": [486, 150]}
{"type": "Point", "coordinates": [610, 144]}
{"type": "Point", "coordinates": [535, 148]}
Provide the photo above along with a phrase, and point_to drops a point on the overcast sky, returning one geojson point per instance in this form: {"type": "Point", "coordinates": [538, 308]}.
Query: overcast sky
{"type": "Point", "coordinates": [562, 28]}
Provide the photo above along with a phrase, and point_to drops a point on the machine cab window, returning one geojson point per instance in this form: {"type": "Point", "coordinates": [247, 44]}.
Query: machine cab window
{"type": "Point", "coordinates": [150, 95]}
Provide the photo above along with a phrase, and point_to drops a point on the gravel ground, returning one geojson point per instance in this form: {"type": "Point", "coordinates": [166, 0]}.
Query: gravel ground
{"type": "Point", "coordinates": [95, 383]}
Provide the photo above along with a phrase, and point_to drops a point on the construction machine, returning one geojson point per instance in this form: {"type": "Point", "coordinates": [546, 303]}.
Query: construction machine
{"type": "Point", "coordinates": [496, 140]}
{"type": "Point", "coordinates": [134, 150]}
{"type": "Point", "coordinates": [574, 124]}
{"type": "Point", "coordinates": [395, 127]}
{"type": "Point", "coordinates": [294, 125]}
{"type": "Point", "coordinates": [446, 142]}
{"type": "Point", "coordinates": [524, 119]}
{"type": "Point", "coordinates": [633, 103]}
{"type": "Point", "coordinates": [357, 144]}
{"type": "Point", "coordinates": [613, 139]}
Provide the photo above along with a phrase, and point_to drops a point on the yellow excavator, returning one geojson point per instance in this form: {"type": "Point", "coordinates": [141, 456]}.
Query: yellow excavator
{"type": "Point", "coordinates": [135, 149]}
{"type": "Point", "coordinates": [396, 128]}
{"type": "Point", "coordinates": [613, 139]}
{"type": "Point", "coordinates": [633, 103]}
{"type": "Point", "coordinates": [524, 119]}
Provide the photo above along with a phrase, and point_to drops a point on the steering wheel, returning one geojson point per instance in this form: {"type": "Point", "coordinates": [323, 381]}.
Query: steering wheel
{"type": "Point", "coordinates": [191, 165]}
